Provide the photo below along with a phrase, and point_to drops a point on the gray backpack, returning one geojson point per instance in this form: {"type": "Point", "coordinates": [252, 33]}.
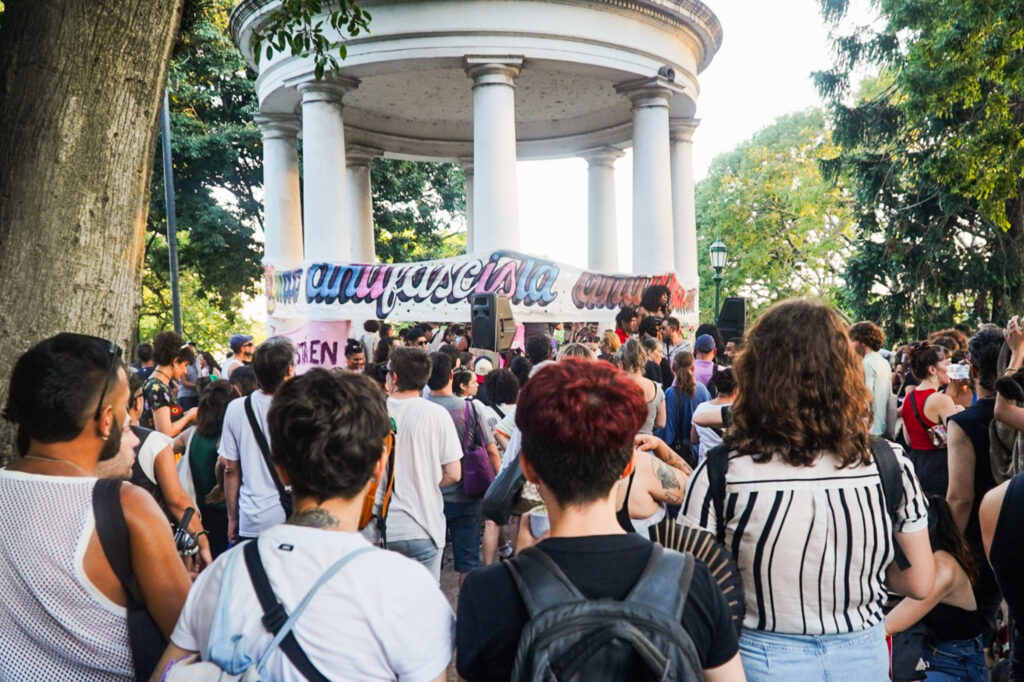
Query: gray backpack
{"type": "Point", "coordinates": [570, 637]}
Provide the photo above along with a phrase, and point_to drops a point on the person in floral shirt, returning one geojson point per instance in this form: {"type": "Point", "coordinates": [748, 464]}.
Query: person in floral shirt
{"type": "Point", "coordinates": [173, 357]}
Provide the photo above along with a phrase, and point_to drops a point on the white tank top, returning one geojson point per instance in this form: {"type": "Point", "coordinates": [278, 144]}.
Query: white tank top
{"type": "Point", "coordinates": [56, 625]}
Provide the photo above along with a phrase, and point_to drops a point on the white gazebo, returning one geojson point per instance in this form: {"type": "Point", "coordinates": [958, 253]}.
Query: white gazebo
{"type": "Point", "coordinates": [484, 83]}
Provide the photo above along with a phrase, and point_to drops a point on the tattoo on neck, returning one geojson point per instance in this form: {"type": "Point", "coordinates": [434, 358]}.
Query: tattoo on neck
{"type": "Point", "coordinates": [314, 517]}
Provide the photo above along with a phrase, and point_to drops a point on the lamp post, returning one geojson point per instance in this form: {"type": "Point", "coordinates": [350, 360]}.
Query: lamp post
{"type": "Point", "coordinates": [718, 254]}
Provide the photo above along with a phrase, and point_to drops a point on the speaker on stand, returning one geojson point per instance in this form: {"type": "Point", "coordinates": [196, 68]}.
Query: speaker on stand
{"type": "Point", "coordinates": [493, 326]}
{"type": "Point", "coordinates": [732, 320]}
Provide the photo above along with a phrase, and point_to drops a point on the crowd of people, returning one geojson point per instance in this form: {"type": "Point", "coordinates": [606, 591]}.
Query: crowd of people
{"type": "Point", "coordinates": [181, 517]}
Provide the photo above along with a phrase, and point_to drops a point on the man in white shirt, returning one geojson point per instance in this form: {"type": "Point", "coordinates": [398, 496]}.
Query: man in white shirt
{"type": "Point", "coordinates": [241, 349]}
{"type": "Point", "coordinates": [382, 617]}
{"type": "Point", "coordinates": [867, 338]}
{"type": "Point", "coordinates": [428, 456]}
{"type": "Point", "coordinates": [252, 495]}
{"type": "Point", "coordinates": [673, 338]}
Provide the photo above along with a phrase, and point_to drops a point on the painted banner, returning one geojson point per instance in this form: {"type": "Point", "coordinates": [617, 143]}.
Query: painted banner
{"type": "Point", "coordinates": [539, 290]}
{"type": "Point", "coordinates": [317, 344]}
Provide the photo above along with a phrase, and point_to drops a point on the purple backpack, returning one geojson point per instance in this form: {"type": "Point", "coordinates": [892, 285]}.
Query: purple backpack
{"type": "Point", "coordinates": [477, 471]}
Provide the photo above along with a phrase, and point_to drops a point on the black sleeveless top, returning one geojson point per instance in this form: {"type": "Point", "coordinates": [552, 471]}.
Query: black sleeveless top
{"type": "Point", "coordinates": [950, 623]}
{"type": "Point", "coordinates": [622, 516]}
{"type": "Point", "coordinates": [1007, 556]}
{"type": "Point", "coordinates": [974, 421]}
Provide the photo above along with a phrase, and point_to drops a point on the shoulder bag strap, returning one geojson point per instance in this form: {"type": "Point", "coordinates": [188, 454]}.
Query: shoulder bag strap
{"type": "Point", "coordinates": [892, 489]}
{"type": "Point", "coordinates": [261, 440]}
{"type": "Point", "coordinates": [275, 617]}
{"type": "Point", "coordinates": [113, 534]}
{"type": "Point", "coordinates": [382, 519]}
{"type": "Point", "coordinates": [917, 411]}
{"type": "Point", "coordinates": [498, 410]}
{"type": "Point", "coordinates": [717, 465]}
{"type": "Point", "coordinates": [541, 583]}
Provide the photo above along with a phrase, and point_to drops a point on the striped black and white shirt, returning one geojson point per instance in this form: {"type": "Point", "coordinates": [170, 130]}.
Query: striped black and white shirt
{"type": "Point", "coordinates": [812, 543]}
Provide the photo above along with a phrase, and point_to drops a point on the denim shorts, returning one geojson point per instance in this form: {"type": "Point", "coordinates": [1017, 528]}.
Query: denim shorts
{"type": "Point", "coordinates": [423, 550]}
{"type": "Point", "coordinates": [957, 661]}
{"type": "Point", "coordinates": [464, 526]}
{"type": "Point", "coordinates": [849, 657]}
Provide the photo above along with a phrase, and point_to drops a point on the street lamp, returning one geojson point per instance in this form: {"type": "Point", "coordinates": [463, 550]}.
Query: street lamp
{"type": "Point", "coordinates": [718, 257]}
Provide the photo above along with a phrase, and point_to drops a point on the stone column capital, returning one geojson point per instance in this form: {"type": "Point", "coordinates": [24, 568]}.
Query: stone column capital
{"type": "Point", "coordinates": [357, 155]}
{"type": "Point", "coordinates": [649, 92]}
{"type": "Point", "coordinates": [329, 89]}
{"type": "Point", "coordinates": [497, 70]}
{"type": "Point", "coordinates": [278, 126]}
{"type": "Point", "coordinates": [682, 129]}
{"type": "Point", "coordinates": [602, 156]}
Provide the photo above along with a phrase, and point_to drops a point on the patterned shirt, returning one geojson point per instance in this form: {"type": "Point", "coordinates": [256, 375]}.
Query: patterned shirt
{"type": "Point", "coordinates": [158, 394]}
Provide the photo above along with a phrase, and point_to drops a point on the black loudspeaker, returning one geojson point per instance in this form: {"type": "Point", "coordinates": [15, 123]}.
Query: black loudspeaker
{"type": "Point", "coordinates": [493, 324]}
{"type": "Point", "coordinates": [732, 320]}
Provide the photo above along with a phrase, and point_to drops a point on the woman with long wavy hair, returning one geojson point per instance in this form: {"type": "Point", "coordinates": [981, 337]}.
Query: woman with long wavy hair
{"type": "Point", "coordinates": [804, 512]}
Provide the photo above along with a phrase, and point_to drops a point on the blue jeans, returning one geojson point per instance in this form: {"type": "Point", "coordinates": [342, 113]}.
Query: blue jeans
{"type": "Point", "coordinates": [957, 661]}
{"type": "Point", "coordinates": [422, 550]}
{"type": "Point", "coordinates": [851, 657]}
{"type": "Point", "coordinates": [464, 522]}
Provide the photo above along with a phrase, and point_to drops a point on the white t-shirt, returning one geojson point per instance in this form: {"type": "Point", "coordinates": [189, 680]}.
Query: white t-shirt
{"type": "Point", "coordinates": [151, 447]}
{"type": "Point", "coordinates": [425, 440]}
{"type": "Point", "coordinates": [259, 504]}
{"type": "Point", "coordinates": [381, 618]}
{"type": "Point", "coordinates": [229, 366]}
{"type": "Point", "coordinates": [709, 438]}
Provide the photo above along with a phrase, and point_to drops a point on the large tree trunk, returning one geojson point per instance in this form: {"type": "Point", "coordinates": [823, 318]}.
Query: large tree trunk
{"type": "Point", "coordinates": [80, 88]}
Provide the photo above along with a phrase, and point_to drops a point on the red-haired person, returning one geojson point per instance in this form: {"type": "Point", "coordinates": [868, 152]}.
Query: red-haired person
{"type": "Point", "coordinates": [578, 421]}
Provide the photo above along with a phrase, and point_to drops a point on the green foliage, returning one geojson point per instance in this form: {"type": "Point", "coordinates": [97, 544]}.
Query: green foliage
{"type": "Point", "coordinates": [932, 151]}
{"type": "Point", "coordinates": [297, 25]}
{"type": "Point", "coordinates": [217, 173]}
{"type": "Point", "coordinates": [414, 207]}
{"type": "Point", "coordinates": [788, 230]}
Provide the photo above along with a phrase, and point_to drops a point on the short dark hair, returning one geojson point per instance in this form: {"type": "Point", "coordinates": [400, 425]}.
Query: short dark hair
{"type": "Point", "coordinates": [413, 333]}
{"type": "Point", "coordinates": [440, 371]}
{"type": "Point", "coordinates": [578, 420]}
{"type": "Point", "coordinates": [271, 361]}
{"type": "Point", "coordinates": [722, 381]}
{"type": "Point", "coordinates": [625, 314]}
{"type": "Point", "coordinates": [170, 346]}
{"type": "Point", "coordinates": [984, 348]}
{"type": "Point", "coordinates": [672, 322]}
{"type": "Point", "coordinates": [371, 326]}
{"type": "Point", "coordinates": [521, 368]}
{"type": "Point", "coordinates": [538, 348]}
{"type": "Point", "coordinates": [213, 402]}
{"type": "Point", "coordinates": [451, 351]}
{"type": "Point", "coordinates": [460, 379]}
{"type": "Point", "coordinates": [737, 342]}
{"type": "Point", "coordinates": [353, 347]}
{"type": "Point", "coordinates": [327, 431]}
{"type": "Point", "coordinates": [55, 385]}
{"type": "Point", "coordinates": [144, 351]}
{"type": "Point", "coordinates": [411, 367]}
{"type": "Point", "coordinates": [502, 387]}
{"type": "Point", "coordinates": [244, 380]}
{"type": "Point", "coordinates": [650, 326]}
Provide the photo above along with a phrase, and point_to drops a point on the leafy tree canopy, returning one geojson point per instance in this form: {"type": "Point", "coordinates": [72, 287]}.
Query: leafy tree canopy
{"type": "Point", "coordinates": [788, 230]}
{"type": "Point", "coordinates": [932, 151]}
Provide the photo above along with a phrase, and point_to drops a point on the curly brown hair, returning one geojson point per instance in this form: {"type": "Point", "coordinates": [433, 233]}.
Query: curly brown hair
{"type": "Point", "coordinates": [802, 390]}
{"type": "Point", "coordinates": [868, 333]}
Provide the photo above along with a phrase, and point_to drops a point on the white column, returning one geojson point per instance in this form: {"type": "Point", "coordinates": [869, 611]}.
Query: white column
{"type": "Point", "coordinates": [652, 187]}
{"type": "Point", "coordinates": [467, 170]}
{"type": "Point", "coordinates": [684, 212]}
{"type": "Point", "coordinates": [603, 250]}
{"type": "Point", "coordinates": [325, 199]}
{"type": "Point", "coordinates": [495, 200]}
{"type": "Point", "coordinates": [360, 202]}
{"type": "Point", "coordinates": [282, 204]}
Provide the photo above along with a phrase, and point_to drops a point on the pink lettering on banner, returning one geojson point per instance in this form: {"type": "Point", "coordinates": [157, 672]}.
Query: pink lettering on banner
{"type": "Point", "coordinates": [319, 344]}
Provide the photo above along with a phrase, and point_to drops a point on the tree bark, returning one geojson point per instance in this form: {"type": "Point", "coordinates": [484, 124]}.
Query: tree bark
{"type": "Point", "coordinates": [81, 83]}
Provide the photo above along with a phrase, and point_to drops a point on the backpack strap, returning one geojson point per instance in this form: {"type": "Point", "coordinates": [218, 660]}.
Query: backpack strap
{"type": "Point", "coordinates": [541, 583]}
{"type": "Point", "coordinates": [717, 462]}
{"type": "Point", "coordinates": [261, 440]}
{"type": "Point", "coordinates": [665, 581]}
{"type": "Point", "coordinates": [892, 488]}
{"type": "Point", "coordinates": [145, 638]}
{"type": "Point", "coordinates": [275, 617]}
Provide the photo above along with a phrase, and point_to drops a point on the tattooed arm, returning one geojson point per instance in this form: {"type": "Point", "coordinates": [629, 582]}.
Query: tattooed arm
{"type": "Point", "coordinates": [671, 483]}
{"type": "Point", "coordinates": [661, 450]}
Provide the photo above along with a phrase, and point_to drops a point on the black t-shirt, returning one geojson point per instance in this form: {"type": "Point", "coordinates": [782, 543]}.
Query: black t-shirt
{"type": "Point", "coordinates": [492, 615]}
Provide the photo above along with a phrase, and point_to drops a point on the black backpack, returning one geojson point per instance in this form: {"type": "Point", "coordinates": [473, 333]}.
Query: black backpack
{"type": "Point", "coordinates": [571, 638]}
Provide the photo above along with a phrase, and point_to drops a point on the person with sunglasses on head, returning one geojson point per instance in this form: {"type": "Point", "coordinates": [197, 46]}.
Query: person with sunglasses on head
{"type": "Point", "coordinates": [173, 358]}
{"type": "Point", "coordinates": [62, 606]}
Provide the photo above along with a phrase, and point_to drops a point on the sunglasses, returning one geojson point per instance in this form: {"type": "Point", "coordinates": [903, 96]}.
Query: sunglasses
{"type": "Point", "coordinates": [115, 354]}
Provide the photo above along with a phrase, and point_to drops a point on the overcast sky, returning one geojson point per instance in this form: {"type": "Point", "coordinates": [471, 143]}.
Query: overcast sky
{"type": "Point", "coordinates": [761, 72]}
